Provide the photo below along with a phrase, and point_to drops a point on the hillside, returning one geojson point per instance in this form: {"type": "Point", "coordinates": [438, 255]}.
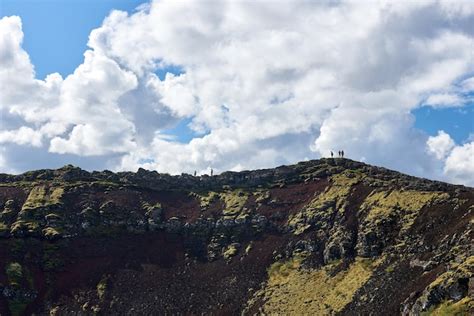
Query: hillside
{"type": "Point", "coordinates": [323, 237]}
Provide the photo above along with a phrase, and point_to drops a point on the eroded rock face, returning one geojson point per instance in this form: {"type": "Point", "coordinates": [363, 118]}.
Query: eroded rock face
{"type": "Point", "coordinates": [76, 242]}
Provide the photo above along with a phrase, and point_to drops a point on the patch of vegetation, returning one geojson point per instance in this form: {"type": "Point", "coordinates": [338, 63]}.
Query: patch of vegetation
{"type": "Point", "coordinates": [234, 202]}
{"type": "Point", "coordinates": [463, 307]}
{"type": "Point", "coordinates": [40, 196]}
{"type": "Point", "coordinates": [313, 292]}
{"type": "Point", "coordinates": [381, 204]}
{"type": "Point", "coordinates": [4, 227]}
{"type": "Point", "coordinates": [261, 196]}
{"type": "Point", "coordinates": [52, 217]}
{"type": "Point", "coordinates": [102, 287]}
{"type": "Point", "coordinates": [463, 270]}
{"type": "Point", "coordinates": [390, 268]}
{"type": "Point", "coordinates": [23, 226]}
{"type": "Point", "coordinates": [51, 233]}
{"type": "Point", "coordinates": [248, 248]}
{"type": "Point", "coordinates": [333, 199]}
{"type": "Point", "coordinates": [56, 195]}
{"type": "Point", "coordinates": [205, 200]}
{"type": "Point", "coordinates": [152, 210]}
{"type": "Point", "coordinates": [18, 277]}
{"type": "Point", "coordinates": [14, 273]}
{"type": "Point", "coordinates": [280, 271]}
{"type": "Point", "coordinates": [230, 251]}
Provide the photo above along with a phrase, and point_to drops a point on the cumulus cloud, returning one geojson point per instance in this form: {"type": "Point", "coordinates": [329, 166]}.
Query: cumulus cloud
{"type": "Point", "coordinates": [459, 165]}
{"type": "Point", "coordinates": [257, 86]}
{"type": "Point", "coordinates": [457, 160]}
{"type": "Point", "coordinates": [444, 100]}
{"type": "Point", "coordinates": [22, 136]}
{"type": "Point", "coordinates": [440, 145]}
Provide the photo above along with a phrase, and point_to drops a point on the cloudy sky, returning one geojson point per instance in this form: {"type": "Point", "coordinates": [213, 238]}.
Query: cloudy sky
{"type": "Point", "coordinates": [178, 86]}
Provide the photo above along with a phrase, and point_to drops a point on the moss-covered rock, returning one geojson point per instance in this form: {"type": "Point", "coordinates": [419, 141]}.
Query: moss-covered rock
{"type": "Point", "coordinates": [230, 251]}
{"type": "Point", "coordinates": [312, 292]}
{"type": "Point", "coordinates": [388, 214]}
{"type": "Point", "coordinates": [153, 214]}
{"type": "Point", "coordinates": [318, 213]}
{"type": "Point", "coordinates": [43, 196]}
{"type": "Point", "coordinates": [446, 290]}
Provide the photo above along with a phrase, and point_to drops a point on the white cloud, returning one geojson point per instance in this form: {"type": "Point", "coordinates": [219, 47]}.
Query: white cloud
{"type": "Point", "coordinates": [440, 145]}
{"type": "Point", "coordinates": [457, 160]}
{"type": "Point", "coordinates": [459, 166]}
{"type": "Point", "coordinates": [22, 136]}
{"type": "Point", "coordinates": [468, 84]}
{"type": "Point", "coordinates": [444, 100]}
{"type": "Point", "coordinates": [259, 86]}
{"type": "Point", "coordinates": [175, 93]}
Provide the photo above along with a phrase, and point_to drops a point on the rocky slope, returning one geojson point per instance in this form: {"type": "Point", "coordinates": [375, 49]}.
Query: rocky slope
{"type": "Point", "coordinates": [323, 237]}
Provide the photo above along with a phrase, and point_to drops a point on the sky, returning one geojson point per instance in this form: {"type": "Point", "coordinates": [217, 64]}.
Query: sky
{"type": "Point", "coordinates": [178, 86]}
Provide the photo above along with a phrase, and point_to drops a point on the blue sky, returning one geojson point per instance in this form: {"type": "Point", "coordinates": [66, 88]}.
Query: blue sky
{"type": "Point", "coordinates": [56, 31]}
{"type": "Point", "coordinates": [206, 69]}
{"type": "Point", "coordinates": [457, 122]}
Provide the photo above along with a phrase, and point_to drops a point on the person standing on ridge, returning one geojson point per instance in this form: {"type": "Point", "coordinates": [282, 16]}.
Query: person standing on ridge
{"type": "Point", "coordinates": [212, 172]}
{"type": "Point", "coordinates": [332, 154]}
{"type": "Point", "coordinates": [342, 153]}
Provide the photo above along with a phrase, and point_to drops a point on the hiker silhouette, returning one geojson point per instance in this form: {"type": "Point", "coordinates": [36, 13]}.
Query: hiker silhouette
{"type": "Point", "coordinates": [342, 153]}
{"type": "Point", "coordinates": [332, 154]}
{"type": "Point", "coordinates": [212, 172]}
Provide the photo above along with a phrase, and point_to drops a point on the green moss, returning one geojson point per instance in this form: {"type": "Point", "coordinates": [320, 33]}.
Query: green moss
{"type": "Point", "coordinates": [381, 204]}
{"type": "Point", "coordinates": [234, 202]}
{"type": "Point", "coordinates": [30, 227]}
{"type": "Point", "coordinates": [36, 197]}
{"type": "Point", "coordinates": [43, 196]}
{"type": "Point", "coordinates": [149, 209]}
{"type": "Point", "coordinates": [14, 273]}
{"type": "Point", "coordinates": [230, 251]}
{"type": "Point", "coordinates": [261, 196]}
{"type": "Point", "coordinates": [463, 270]}
{"type": "Point", "coordinates": [51, 233]}
{"type": "Point", "coordinates": [4, 227]}
{"type": "Point", "coordinates": [18, 277]}
{"type": "Point", "coordinates": [463, 307]}
{"type": "Point", "coordinates": [334, 198]}
{"type": "Point", "coordinates": [102, 287]}
{"type": "Point", "coordinates": [279, 271]}
{"type": "Point", "coordinates": [390, 268]}
{"type": "Point", "coordinates": [312, 292]}
{"type": "Point", "coordinates": [56, 195]}
{"type": "Point", "coordinates": [205, 200]}
{"type": "Point", "coordinates": [248, 248]}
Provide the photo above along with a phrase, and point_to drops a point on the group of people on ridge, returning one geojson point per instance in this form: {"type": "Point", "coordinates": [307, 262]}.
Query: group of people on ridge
{"type": "Point", "coordinates": [212, 172]}
{"type": "Point", "coordinates": [340, 154]}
